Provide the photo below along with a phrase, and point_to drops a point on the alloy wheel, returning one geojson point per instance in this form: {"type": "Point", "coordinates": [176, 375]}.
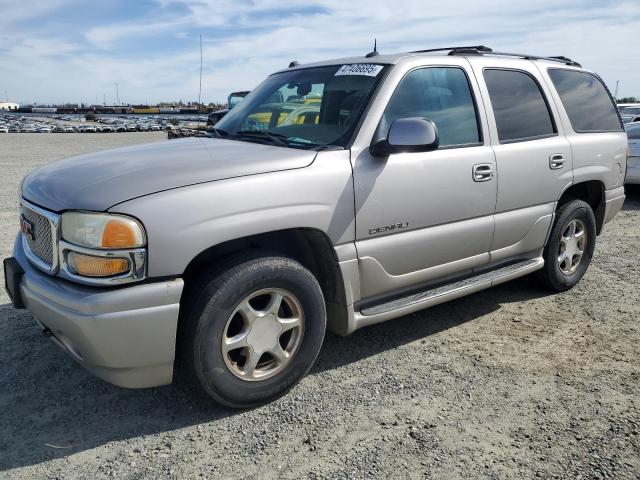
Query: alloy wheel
{"type": "Point", "coordinates": [263, 334]}
{"type": "Point", "coordinates": [573, 242]}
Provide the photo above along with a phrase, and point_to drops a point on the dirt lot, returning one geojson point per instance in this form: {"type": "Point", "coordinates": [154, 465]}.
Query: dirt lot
{"type": "Point", "coordinates": [508, 383]}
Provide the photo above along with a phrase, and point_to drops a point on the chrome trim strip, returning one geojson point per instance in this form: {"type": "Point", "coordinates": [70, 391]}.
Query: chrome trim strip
{"type": "Point", "coordinates": [54, 224]}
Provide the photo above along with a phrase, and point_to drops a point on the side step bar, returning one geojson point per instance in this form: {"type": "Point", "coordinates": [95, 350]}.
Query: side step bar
{"type": "Point", "coordinates": [418, 301]}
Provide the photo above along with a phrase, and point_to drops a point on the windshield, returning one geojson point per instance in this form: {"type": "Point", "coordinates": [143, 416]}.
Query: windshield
{"type": "Point", "coordinates": [306, 108]}
{"type": "Point", "coordinates": [630, 111]}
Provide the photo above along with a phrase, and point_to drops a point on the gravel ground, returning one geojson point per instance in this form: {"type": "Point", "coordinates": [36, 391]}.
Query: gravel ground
{"type": "Point", "coordinates": [508, 383]}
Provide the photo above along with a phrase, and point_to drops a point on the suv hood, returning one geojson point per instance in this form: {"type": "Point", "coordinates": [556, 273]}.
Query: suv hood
{"type": "Point", "coordinates": [97, 181]}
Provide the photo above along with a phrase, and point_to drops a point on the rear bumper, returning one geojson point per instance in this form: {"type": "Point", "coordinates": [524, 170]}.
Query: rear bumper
{"type": "Point", "coordinates": [613, 199]}
{"type": "Point", "coordinates": [633, 171]}
{"type": "Point", "coordinates": [124, 335]}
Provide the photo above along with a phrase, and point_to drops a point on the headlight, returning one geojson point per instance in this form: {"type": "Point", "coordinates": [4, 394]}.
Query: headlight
{"type": "Point", "coordinates": [101, 230]}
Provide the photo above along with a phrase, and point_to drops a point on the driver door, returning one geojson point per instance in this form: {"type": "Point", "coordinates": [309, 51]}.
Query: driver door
{"type": "Point", "coordinates": [423, 217]}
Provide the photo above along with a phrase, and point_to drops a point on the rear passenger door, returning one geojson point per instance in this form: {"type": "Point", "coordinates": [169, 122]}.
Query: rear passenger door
{"type": "Point", "coordinates": [533, 156]}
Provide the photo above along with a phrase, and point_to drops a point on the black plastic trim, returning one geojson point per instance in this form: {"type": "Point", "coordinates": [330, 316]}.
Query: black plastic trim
{"type": "Point", "coordinates": [13, 273]}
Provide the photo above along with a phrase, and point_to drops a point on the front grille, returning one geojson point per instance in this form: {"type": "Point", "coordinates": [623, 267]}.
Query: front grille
{"type": "Point", "coordinates": [40, 239]}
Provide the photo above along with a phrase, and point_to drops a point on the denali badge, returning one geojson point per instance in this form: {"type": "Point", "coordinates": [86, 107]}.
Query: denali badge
{"type": "Point", "coordinates": [28, 228]}
{"type": "Point", "coordinates": [388, 228]}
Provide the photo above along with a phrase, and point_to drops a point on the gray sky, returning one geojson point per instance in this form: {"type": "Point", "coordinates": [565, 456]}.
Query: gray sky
{"type": "Point", "coordinates": [72, 50]}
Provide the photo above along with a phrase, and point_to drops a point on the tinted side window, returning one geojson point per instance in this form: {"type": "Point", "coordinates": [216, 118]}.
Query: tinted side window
{"type": "Point", "coordinates": [519, 107]}
{"type": "Point", "coordinates": [586, 101]}
{"type": "Point", "coordinates": [439, 94]}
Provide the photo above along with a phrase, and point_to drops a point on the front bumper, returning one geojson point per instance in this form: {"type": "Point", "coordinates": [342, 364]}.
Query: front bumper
{"type": "Point", "coordinates": [633, 171]}
{"type": "Point", "coordinates": [124, 335]}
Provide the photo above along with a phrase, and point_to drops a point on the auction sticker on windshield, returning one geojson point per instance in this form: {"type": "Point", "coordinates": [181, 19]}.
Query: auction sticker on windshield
{"type": "Point", "coordinates": [368, 69]}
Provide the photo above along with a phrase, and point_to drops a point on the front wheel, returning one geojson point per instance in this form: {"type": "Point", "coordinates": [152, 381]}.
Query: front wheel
{"type": "Point", "coordinates": [254, 329]}
{"type": "Point", "coordinates": [570, 246]}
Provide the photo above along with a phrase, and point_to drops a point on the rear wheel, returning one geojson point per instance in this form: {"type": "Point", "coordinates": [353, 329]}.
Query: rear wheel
{"type": "Point", "coordinates": [570, 246]}
{"type": "Point", "coordinates": [253, 330]}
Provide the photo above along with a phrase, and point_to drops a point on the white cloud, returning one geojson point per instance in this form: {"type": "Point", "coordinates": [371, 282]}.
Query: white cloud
{"type": "Point", "coordinates": [245, 41]}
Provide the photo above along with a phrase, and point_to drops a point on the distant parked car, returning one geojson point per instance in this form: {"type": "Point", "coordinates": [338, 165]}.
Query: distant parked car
{"type": "Point", "coordinates": [216, 116]}
{"type": "Point", "coordinates": [4, 130]}
{"type": "Point", "coordinates": [633, 164]}
{"type": "Point", "coordinates": [233, 99]}
{"type": "Point", "coordinates": [630, 114]}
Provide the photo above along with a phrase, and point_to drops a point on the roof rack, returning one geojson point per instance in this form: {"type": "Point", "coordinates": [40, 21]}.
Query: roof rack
{"type": "Point", "coordinates": [482, 50]}
{"type": "Point", "coordinates": [475, 48]}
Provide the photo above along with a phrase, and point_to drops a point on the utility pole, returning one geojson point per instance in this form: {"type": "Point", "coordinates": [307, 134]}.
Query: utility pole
{"type": "Point", "coordinates": [117, 95]}
{"type": "Point", "coordinates": [200, 90]}
{"type": "Point", "coordinates": [615, 95]}
{"type": "Point", "coordinates": [104, 99]}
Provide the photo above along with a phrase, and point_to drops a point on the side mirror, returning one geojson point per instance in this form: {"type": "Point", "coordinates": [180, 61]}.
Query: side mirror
{"type": "Point", "coordinates": [407, 135]}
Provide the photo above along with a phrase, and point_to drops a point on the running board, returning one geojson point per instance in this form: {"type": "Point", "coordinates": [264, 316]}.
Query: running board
{"type": "Point", "coordinates": [418, 301]}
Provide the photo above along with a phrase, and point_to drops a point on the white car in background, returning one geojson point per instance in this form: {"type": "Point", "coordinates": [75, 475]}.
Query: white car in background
{"type": "Point", "coordinates": [630, 114]}
{"type": "Point", "coordinates": [633, 164]}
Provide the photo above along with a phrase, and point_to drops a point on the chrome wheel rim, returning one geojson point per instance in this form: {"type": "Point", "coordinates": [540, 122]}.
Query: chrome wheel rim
{"type": "Point", "coordinates": [573, 242]}
{"type": "Point", "coordinates": [263, 334]}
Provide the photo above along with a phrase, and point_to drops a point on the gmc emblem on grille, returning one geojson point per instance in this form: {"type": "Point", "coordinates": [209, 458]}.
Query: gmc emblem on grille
{"type": "Point", "coordinates": [28, 228]}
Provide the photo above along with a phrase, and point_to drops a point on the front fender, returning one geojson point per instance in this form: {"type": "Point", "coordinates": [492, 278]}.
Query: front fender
{"type": "Point", "coordinates": [183, 222]}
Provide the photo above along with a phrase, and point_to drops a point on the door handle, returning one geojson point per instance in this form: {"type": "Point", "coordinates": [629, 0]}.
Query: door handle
{"type": "Point", "coordinates": [482, 172]}
{"type": "Point", "coordinates": [556, 161]}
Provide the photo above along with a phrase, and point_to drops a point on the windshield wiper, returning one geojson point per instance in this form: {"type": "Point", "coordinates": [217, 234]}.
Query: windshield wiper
{"type": "Point", "coordinates": [276, 138]}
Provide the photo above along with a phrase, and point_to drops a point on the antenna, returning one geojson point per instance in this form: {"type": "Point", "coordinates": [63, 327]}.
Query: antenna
{"type": "Point", "coordinates": [200, 90]}
{"type": "Point", "coordinates": [375, 49]}
{"type": "Point", "coordinates": [117, 95]}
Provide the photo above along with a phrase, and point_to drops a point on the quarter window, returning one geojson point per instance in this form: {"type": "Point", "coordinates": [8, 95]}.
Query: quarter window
{"type": "Point", "coordinates": [439, 94]}
{"type": "Point", "coordinates": [586, 100]}
{"type": "Point", "coordinates": [519, 107]}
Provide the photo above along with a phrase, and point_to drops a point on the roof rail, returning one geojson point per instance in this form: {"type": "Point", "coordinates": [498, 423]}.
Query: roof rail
{"type": "Point", "coordinates": [475, 48]}
{"type": "Point", "coordinates": [482, 50]}
{"type": "Point", "coordinates": [559, 59]}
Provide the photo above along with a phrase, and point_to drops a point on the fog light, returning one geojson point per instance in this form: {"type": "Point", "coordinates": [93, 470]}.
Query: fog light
{"type": "Point", "coordinates": [90, 266]}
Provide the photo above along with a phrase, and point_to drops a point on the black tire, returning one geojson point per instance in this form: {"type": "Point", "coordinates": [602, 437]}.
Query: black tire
{"type": "Point", "coordinates": [551, 276]}
{"type": "Point", "coordinates": [209, 305]}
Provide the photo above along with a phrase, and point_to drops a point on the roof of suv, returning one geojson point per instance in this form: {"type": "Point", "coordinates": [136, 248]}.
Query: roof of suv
{"type": "Point", "coordinates": [392, 59]}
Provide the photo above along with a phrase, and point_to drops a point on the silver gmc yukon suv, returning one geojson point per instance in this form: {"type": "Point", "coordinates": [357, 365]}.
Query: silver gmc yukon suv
{"type": "Point", "coordinates": [337, 195]}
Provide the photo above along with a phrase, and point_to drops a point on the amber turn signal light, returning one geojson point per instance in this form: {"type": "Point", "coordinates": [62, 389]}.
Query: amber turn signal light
{"type": "Point", "coordinates": [91, 266]}
{"type": "Point", "coordinates": [119, 233]}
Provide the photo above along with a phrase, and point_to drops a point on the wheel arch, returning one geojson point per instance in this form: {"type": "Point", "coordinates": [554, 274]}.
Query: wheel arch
{"type": "Point", "coordinates": [310, 247]}
{"type": "Point", "coordinates": [590, 191]}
